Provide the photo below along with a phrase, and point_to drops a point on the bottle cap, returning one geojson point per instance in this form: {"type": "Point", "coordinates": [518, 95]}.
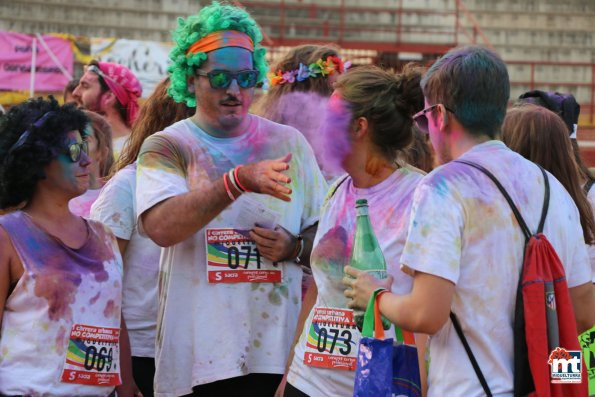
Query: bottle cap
{"type": "Point", "coordinates": [361, 202]}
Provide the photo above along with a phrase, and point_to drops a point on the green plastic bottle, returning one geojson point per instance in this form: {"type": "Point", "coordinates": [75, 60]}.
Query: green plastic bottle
{"type": "Point", "coordinates": [366, 254]}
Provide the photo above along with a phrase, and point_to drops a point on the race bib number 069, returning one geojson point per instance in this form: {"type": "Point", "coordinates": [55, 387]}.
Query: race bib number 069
{"type": "Point", "coordinates": [332, 339]}
{"type": "Point", "coordinates": [232, 257]}
{"type": "Point", "coordinates": [93, 356]}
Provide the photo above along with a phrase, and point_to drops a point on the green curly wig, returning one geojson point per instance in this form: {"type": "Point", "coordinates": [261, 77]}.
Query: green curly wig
{"type": "Point", "coordinates": [210, 19]}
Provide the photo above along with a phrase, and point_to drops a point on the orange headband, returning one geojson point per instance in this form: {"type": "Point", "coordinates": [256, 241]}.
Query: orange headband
{"type": "Point", "coordinates": [221, 39]}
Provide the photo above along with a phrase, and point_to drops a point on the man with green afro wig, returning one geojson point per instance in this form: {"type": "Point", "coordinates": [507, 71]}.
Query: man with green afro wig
{"type": "Point", "coordinates": [211, 19]}
{"type": "Point", "coordinates": [233, 199]}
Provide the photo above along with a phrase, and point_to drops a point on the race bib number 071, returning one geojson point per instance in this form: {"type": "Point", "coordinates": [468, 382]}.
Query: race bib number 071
{"type": "Point", "coordinates": [232, 257]}
{"type": "Point", "coordinates": [93, 356]}
{"type": "Point", "coordinates": [332, 339]}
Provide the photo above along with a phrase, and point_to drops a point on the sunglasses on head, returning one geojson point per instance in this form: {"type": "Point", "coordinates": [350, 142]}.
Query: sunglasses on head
{"type": "Point", "coordinates": [25, 135]}
{"type": "Point", "coordinates": [221, 79]}
{"type": "Point", "coordinates": [75, 150]}
{"type": "Point", "coordinates": [421, 119]}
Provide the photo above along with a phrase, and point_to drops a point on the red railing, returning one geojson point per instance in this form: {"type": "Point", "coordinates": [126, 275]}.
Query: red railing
{"type": "Point", "coordinates": [288, 23]}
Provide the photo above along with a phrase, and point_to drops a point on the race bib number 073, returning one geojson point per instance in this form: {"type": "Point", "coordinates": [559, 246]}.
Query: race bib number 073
{"type": "Point", "coordinates": [332, 339]}
{"type": "Point", "coordinates": [232, 257]}
{"type": "Point", "coordinates": [93, 356]}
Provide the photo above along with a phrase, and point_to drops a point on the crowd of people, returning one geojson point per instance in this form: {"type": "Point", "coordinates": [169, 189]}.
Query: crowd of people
{"type": "Point", "coordinates": [185, 246]}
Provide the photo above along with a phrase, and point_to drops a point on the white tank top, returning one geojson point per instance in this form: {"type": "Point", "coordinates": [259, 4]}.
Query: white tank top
{"type": "Point", "coordinates": [62, 290]}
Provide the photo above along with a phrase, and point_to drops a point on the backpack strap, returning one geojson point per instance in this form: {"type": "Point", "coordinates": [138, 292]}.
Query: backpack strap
{"type": "Point", "coordinates": [517, 214]}
{"type": "Point", "coordinates": [527, 232]}
{"type": "Point", "coordinates": [482, 379]}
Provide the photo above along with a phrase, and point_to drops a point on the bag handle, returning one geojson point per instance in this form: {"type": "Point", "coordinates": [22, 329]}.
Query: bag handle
{"type": "Point", "coordinates": [373, 328]}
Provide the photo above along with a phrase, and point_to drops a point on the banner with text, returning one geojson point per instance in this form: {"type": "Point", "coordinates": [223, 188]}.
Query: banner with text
{"type": "Point", "coordinates": [16, 50]}
{"type": "Point", "coordinates": [148, 60]}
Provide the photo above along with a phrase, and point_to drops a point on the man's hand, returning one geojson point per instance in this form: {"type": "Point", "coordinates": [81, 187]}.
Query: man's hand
{"type": "Point", "coordinates": [267, 177]}
{"type": "Point", "coordinates": [275, 244]}
{"type": "Point", "coordinates": [361, 286]}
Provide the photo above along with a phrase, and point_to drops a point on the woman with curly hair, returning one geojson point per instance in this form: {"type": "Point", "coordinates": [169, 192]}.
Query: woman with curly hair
{"type": "Point", "coordinates": [60, 275]}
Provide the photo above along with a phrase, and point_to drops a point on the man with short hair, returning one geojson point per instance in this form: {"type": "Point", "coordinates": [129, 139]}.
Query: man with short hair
{"type": "Point", "coordinates": [234, 199]}
{"type": "Point", "coordinates": [464, 248]}
{"type": "Point", "coordinates": [111, 90]}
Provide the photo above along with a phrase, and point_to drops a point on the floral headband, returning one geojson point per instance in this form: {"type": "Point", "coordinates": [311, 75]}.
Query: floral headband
{"type": "Point", "coordinates": [319, 68]}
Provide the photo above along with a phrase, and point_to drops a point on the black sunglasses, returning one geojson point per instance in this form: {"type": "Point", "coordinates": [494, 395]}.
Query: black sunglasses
{"type": "Point", "coordinates": [221, 79]}
{"type": "Point", "coordinates": [75, 150]}
{"type": "Point", "coordinates": [421, 120]}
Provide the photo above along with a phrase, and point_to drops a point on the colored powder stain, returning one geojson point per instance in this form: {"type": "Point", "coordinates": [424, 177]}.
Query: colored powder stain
{"type": "Point", "coordinates": [247, 349]}
{"type": "Point", "coordinates": [159, 161]}
{"type": "Point", "coordinates": [116, 217]}
{"type": "Point", "coordinates": [5, 351]}
{"type": "Point", "coordinates": [259, 334]}
{"type": "Point", "coordinates": [425, 230]}
{"type": "Point", "coordinates": [274, 298]}
{"type": "Point", "coordinates": [332, 251]}
{"type": "Point", "coordinates": [110, 309]}
{"type": "Point", "coordinates": [304, 111]}
{"type": "Point", "coordinates": [283, 290]}
{"type": "Point", "coordinates": [334, 130]}
{"type": "Point", "coordinates": [265, 315]}
{"type": "Point", "coordinates": [59, 289]}
{"type": "Point", "coordinates": [440, 184]}
{"type": "Point", "coordinates": [295, 300]}
{"type": "Point", "coordinates": [94, 299]}
{"type": "Point", "coordinates": [257, 343]}
{"type": "Point", "coordinates": [61, 340]}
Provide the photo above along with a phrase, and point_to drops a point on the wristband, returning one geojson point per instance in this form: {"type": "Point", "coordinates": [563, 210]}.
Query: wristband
{"type": "Point", "coordinates": [237, 179]}
{"type": "Point", "coordinates": [231, 196]}
{"type": "Point", "coordinates": [233, 180]}
{"type": "Point", "coordinates": [300, 242]}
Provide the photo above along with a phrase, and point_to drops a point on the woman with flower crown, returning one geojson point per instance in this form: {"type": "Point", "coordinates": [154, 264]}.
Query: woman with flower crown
{"type": "Point", "coordinates": [299, 86]}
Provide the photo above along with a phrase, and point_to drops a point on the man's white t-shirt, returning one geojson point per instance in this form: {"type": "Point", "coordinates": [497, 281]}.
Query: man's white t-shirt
{"type": "Point", "coordinates": [213, 331]}
{"type": "Point", "coordinates": [462, 229]}
{"type": "Point", "coordinates": [116, 208]}
{"type": "Point", "coordinates": [389, 207]}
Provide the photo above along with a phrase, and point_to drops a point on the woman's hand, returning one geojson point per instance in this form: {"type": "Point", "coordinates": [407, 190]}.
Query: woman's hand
{"type": "Point", "coordinates": [361, 286]}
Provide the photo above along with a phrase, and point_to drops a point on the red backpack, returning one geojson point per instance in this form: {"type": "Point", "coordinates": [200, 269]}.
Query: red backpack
{"type": "Point", "coordinates": [544, 316]}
